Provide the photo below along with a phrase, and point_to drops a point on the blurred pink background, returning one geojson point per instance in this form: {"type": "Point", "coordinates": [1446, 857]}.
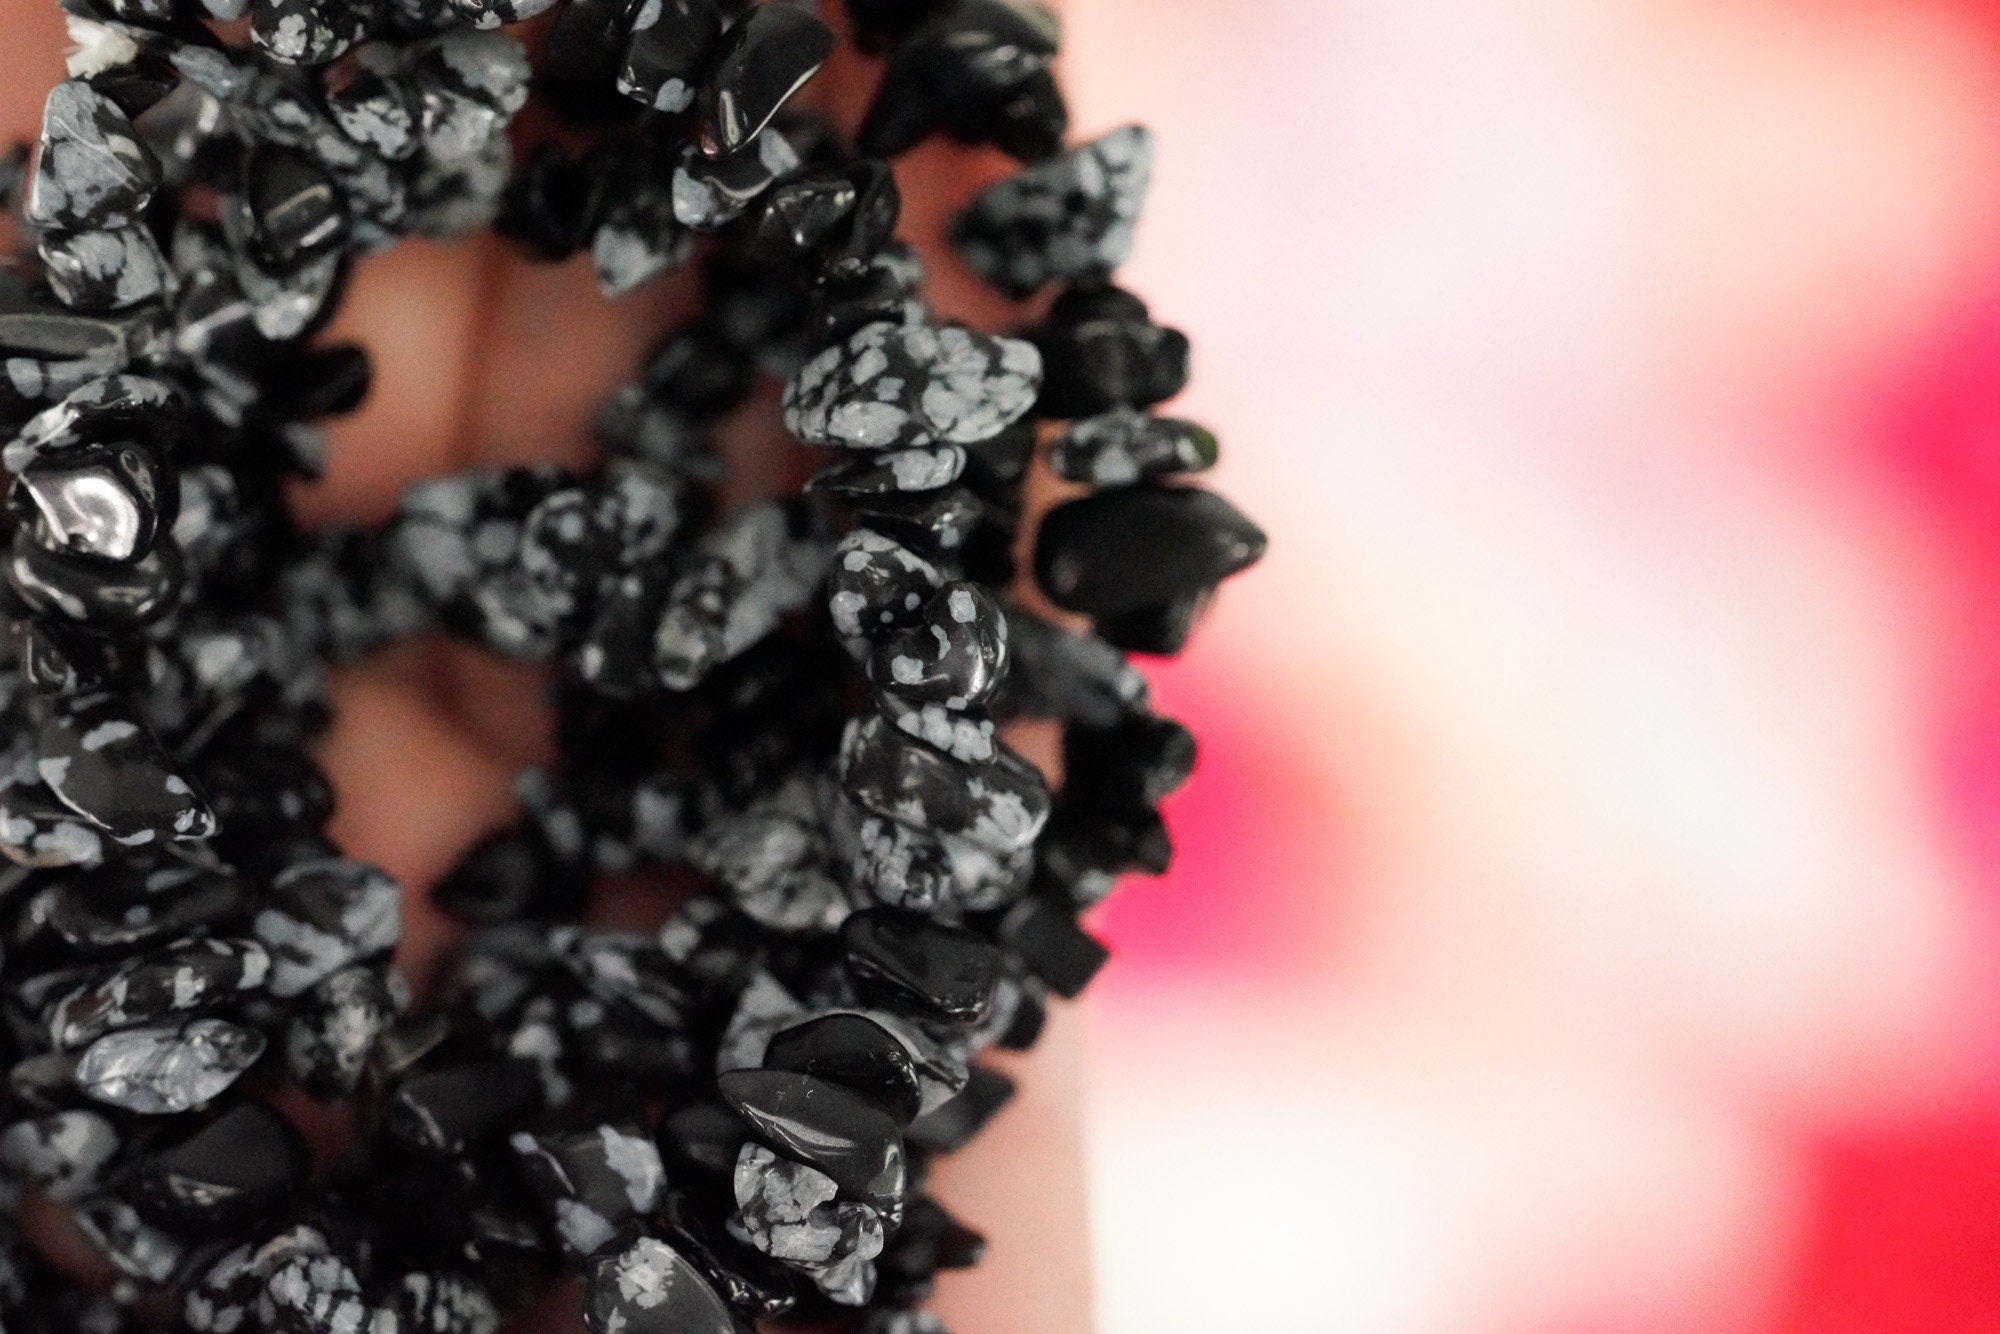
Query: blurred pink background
{"type": "Point", "coordinates": [1586, 920]}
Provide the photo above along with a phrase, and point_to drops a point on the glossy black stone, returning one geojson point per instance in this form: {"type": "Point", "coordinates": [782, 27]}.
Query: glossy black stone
{"type": "Point", "coordinates": [440, 1113]}
{"type": "Point", "coordinates": [1161, 629]}
{"type": "Point", "coordinates": [1101, 351]}
{"type": "Point", "coordinates": [1046, 937]}
{"type": "Point", "coordinates": [767, 56]}
{"type": "Point", "coordinates": [1125, 550]}
{"type": "Point", "coordinates": [108, 501]}
{"type": "Point", "coordinates": [109, 769]}
{"type": "Point", "coordinates": [291, 210]}
{"type": "Point", "coordinates": [92, 170]}
{"type": "Point", "coordinates": [109, 598]}
{"type": "Point", "coordinates": [646, 1287]}
{"type": "Point", "coordinates": [901, 959]}
{"type": "Point", "coordinates": [191, 977]}
{"type": "Point", "coordinates": [553, 203]}
{"type": "Point", "coordinates": [824, 1124]}
{"type": "Point", "coordinates": [952, 1126]}
{"type": "Point", "coordinates": [1139, 761]}
{"type": "Point", "coordinates": [709, 194]}
{"type": "Point", "coordinates": [858, 1054]}
{"type": "Point", "coordinates": [930, 1241]}
{"type": "Point", "coordinates": [667, 49]}
{"type": "Point", "coordinates": [832, 220]}
{"type": "Point", "coordinates": [215, 1177]}
{"type": "Point", "coordinates": [702, 1137]}
{"type": "Point", "coordinates": [966, 69]}
{"type": "Point", "coordinates": [750, 1282]}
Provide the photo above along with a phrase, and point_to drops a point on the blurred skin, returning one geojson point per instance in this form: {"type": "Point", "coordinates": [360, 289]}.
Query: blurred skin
{"type": "Point", "coordinates": [484, 359]}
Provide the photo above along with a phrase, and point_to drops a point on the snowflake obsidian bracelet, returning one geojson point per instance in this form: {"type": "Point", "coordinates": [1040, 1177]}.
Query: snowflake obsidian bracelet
{"type": "Point", "coordinates": [796, 707]}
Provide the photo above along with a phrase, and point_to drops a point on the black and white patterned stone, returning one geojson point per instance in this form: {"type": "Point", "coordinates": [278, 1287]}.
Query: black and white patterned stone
{"type": "Point", "coordinates": [377, 110]}
{"type": "Point", "coordinates": [827, 1126]}
{"type": "Point", "coordinates": [135, 1248]}
{"type": "Point", "coordinates": [139, 901]}
{"type": "Point", "coordinates": [773, 866]}
{"type": "Point", "coordinates": [104, 409]}
{"type": "Point", "coordinates": [321, 915]}
{"type": "Point", "coordinates": [709, 195]}
{"type": "Point", "coordinates": [878, 584]}
{"type": "Point", "coordinates": [1123, 446]}
{"type": "Point", "coordinates": [902, 959]}
{"type": "Point", "coordinates": [107, 501]}
{"type": "Point", "coordinates": [978, 69]}
{"type": "Point", "coordinates": [107, 768]}
{"type": "Point", "coordinates": [763, 1008]}
{"type": "Point", "coordinates": [857, 1053]}
{"type": "Point", "coordinates": [1137, 547]}
{"type": "Point", "coordinates": [901, 864]}
{"type": "Point", "coordinates": [309, 1293]}
{"type": "Point", "coordinates": [1067, 218]}
{"type": "Point", "coordinates": [892, 386]}
{"type": "Point", "coordinates": [283, 305]}
{"type": "Point", "coordinates": [494, 13]}
{"type": "Point", "coordinates": [595, 1183]}
{"type": "Point", "coordinates": [768, 55]}
{"type": "Point", "coordinates": [440, 1113]}
{"type": "Point", "coordinates": [469, 85]}
{"type": "Point", "coordinates": [107, 269]}
{"type": "Point", "coordinates": [955, 658]}
{"type": "Point", "coordinates": [893, 472]}
{"type": "Point", "coordinates": [59, 1153]}
{"type": "Point", "coordinates": [92, 171]}
{"type": "Point", "coordinates": [106, 598]}
{"type": "Point", "coordinates": [639, 238]}
{"type": "Point", "coordinates": [646, 1287]}
{"type": "Point", "coordinates": [36, 830]}
{"type": "Point", "coordinates": [194, 976]}
{"type": "Point", "coordinates": [745, 577]}
{"type": "Point", "coordinates": [785, 1209]}
{"type": "Point", "coordinates": [999, 804]}
{"type": "Point", "coordinates": [442, 1302]}
{"type": "Point", "coordinates": [667, 49]}
{"type": "Point", "coordinates": [307, 32]}
{"type": "Point", "coordinates": [216, 1177]}
{"type": "Point", "coordinates": [168, 1068]}
{"type": "Point", "coordinates": [334, 1028]}
{"type": "Point", "coordinates": [946, 523]}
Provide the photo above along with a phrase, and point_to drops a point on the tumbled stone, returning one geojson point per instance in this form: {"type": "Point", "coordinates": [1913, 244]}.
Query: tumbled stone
{"type": "Point", "coordinates": [108, 269]}
{"type": "Point", "coordinates": [322, 915]}
{"type": "Point", "coordinates": [893, 386]}
{"type": "Point", "coordinates": [92, 170]}
{"type": "Point", "coordinates": [647, 1288]}
{"type": "Point", "coordinates": [1070, 217]}
{"type": "Point", "coordinates": [1123, 446]}
{"type": "Point", "coordinates": [768, 55]}
{"type": "Point", "coordinates": [219, 1176]}
{"type": "Point", "coordinates": [903, 959]}
{"type": "Point", "coordinates": [170, 1068]}
{"type": "Point", "coordinates": [1136, 547]}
